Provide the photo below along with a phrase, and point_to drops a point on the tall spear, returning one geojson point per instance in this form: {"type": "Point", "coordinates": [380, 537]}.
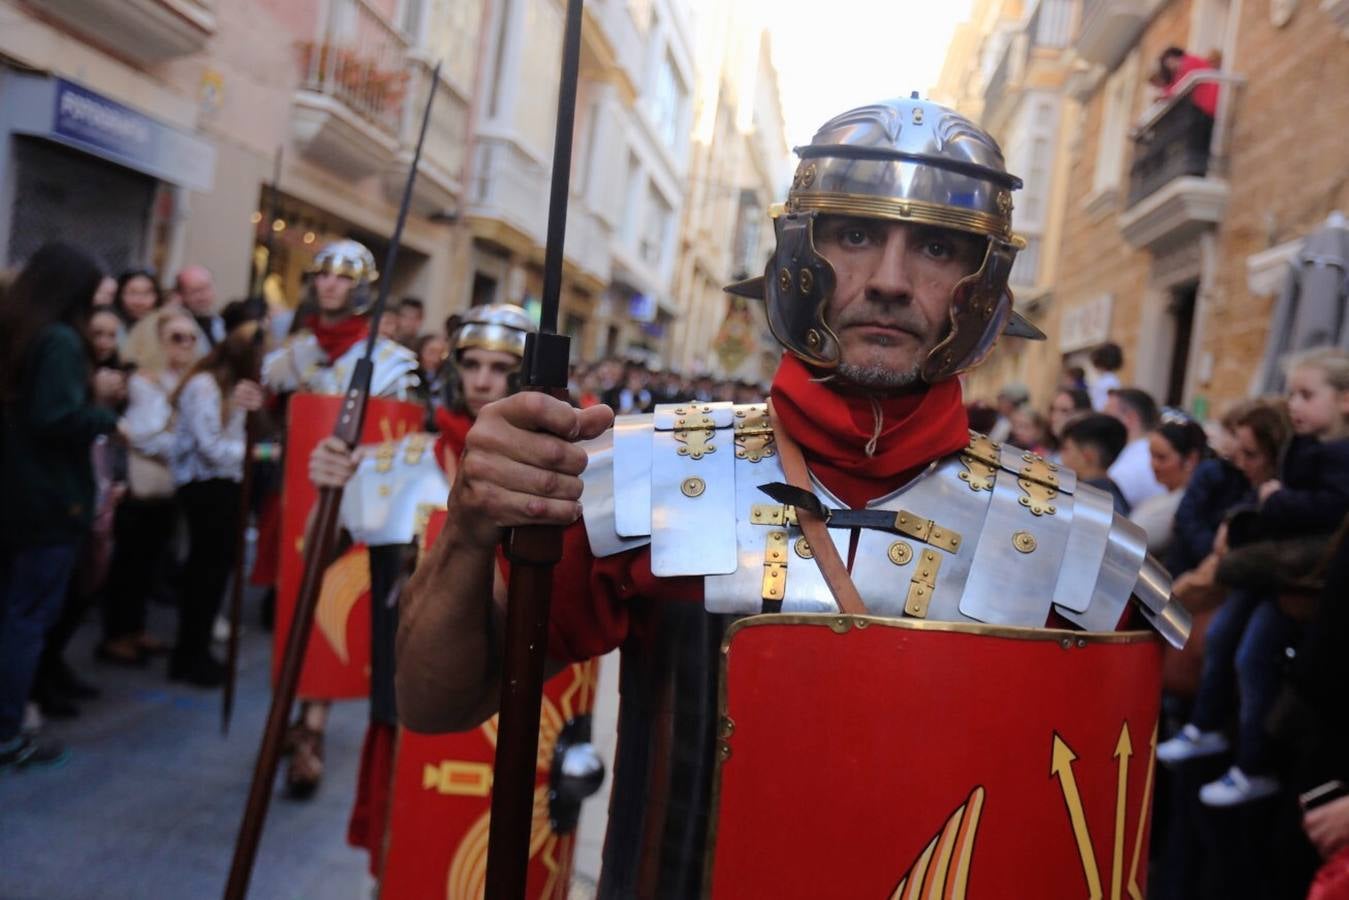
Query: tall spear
{"type": "Point", "coordinates": [250, 442]}
{"type": "Point", "coordinates": [318, 553]}
{"type": "Point", "coordinates": [533, 550]}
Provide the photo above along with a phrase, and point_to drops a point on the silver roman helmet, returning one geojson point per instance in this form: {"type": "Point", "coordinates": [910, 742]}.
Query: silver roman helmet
{"type": "Point", "coordinates": [346, 257]}
{"type": "Point", "coordinates": [353, 260]}
{"type": "Point", "coordinates": [906, 160]}
{"type": "Point", "coordinates": [494, 326]}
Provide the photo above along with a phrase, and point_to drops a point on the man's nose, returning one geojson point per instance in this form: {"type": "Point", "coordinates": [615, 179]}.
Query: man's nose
{"type": "Point", "coordinates": [889, 280]}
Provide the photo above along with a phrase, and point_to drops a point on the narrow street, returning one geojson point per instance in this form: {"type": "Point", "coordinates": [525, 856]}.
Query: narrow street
{"type": "Point", "coordinates": [149, 804]}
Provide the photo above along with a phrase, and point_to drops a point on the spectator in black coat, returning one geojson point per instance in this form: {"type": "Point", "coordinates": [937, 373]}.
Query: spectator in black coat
{"type": "Point", "coordinates": [1228, 481]}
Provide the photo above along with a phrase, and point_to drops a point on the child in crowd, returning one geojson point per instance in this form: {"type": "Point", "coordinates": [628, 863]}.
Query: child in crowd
{"type": "Point", "coordinates": [1282, 545]}
{"type": "Point", "coordinates": [1089, 446]}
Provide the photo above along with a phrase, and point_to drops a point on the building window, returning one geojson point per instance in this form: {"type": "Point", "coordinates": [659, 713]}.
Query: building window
{"type": "Point", "coordinates": [656, 228]}
{"type": "Point", "coordinates": [627, 226]}
{"type": "Point", "coordinates": [668, 98]}
{"type": "Point", "coordinates": [1115, 121]}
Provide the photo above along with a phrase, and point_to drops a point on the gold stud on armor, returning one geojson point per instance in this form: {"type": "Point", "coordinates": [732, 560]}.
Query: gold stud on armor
{"type": "Point", "coordinates": [693, 487]}
{"type": "Point", "coordinates": [1024, 542]}
{"type": "Point", "coordinates": [900, 553]}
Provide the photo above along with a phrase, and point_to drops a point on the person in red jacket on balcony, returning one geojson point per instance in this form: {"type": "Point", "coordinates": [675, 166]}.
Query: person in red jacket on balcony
{"type": "Point", "coordinates": [1174, 64]}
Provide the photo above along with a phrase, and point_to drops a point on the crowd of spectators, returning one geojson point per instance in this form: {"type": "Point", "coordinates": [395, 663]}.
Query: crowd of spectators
{"type": "Point", "coordinates": [1249, 515]}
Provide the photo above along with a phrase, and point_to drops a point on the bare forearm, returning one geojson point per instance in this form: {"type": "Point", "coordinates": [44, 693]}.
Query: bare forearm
{"type": "Point", "coordinates": [447, 673]}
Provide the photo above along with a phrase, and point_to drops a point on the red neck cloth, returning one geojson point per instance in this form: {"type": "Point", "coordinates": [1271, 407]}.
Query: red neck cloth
{"type": "Point", "coordinates": [834, 429]}
{"type": "Point", "coordinates": [454, 428]}
{"type": "Point", "coordinates": [336, 338]}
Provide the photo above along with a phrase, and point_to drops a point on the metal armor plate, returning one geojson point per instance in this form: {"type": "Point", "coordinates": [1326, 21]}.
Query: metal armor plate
{"type": "Point", "coordinates": [393, 483]}
{"type": "Point", "coordinates": [998, 762]}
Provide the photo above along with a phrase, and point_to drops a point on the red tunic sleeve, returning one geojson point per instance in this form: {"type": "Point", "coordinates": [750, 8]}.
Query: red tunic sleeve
{"type": "Point", "coordinates": [597, 603]}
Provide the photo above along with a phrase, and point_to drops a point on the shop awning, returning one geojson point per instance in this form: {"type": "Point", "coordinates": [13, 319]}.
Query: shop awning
{"type": "Point", "coordinates": [68, 113]}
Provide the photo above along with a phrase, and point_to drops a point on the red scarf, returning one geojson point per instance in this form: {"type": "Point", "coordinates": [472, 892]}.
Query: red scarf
{"type": "Point", "coordinates": [336, 338]}
{"type": "Point", "coordinates": [834, 429]}
{"type": "Point", "coordinates": [453, 427]}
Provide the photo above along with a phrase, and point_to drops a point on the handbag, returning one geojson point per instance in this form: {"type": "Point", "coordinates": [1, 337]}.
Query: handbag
{"type": "Point", "coordinates": [147, 477]}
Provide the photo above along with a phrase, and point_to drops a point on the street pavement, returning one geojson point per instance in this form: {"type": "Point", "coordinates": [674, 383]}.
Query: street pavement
{"type": "Point", "coordinates": [150, 802]}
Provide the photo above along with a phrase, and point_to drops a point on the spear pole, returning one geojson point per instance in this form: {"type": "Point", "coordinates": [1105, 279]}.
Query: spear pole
{"type": "Point", "coordinates": [318, 553]}
{"type": "Point", "coordinates": [533, 550]}
{"type": "Point", "coordinates": [246, 481]}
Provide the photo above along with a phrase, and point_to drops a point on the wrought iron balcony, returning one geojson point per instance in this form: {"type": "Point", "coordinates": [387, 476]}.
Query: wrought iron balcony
{"type": "Point", "coordinates": [1177, 180]}
{"type": "Point", "coordinates": [353, 81]}
{"type": "Point", "coordinates": [149, 31]}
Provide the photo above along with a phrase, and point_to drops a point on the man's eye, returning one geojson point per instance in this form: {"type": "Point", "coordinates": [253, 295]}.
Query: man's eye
{"type": "Point", "coordinates": [853, 237]}
{"type": "Point", "coordinates": [940, 249]}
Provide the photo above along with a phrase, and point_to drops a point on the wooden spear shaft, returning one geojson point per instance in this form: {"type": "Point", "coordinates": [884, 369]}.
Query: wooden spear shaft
{"type": "Point", "coordinates": [533, 550]}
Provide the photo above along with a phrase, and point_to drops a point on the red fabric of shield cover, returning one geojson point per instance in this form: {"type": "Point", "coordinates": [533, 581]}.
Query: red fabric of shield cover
{"type": "Point", "coordinates": [311, 417]}
{"type": "Point", "coordinates": [850, 752]}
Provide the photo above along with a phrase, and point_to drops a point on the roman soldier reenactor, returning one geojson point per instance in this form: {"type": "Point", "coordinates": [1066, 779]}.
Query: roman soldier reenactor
{"type": "Point", "coordinates": [866, 652]}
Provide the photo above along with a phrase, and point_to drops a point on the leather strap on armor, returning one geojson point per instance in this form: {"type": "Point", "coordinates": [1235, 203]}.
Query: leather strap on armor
{"type": "Point", "coordinates": [816, 531]}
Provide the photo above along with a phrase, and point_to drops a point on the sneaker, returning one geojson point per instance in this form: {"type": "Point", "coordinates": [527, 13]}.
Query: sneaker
{"type": "Point", "coordinates": [25, 752]}
{"type": "Point", "coordinates": [1236, 787]}
{"type": "Point", "coordinates": [1191, 743]}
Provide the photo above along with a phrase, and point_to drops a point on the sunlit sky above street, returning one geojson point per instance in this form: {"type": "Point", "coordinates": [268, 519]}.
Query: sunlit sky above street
{"type": "Point", "coordinates": [833, 55]}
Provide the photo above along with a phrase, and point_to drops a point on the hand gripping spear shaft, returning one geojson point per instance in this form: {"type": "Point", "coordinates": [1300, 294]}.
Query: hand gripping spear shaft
{"type": "Point", "coordinates": [318, 554]}
{"type": "Point", "coordinates": [246, 482]}
{"type": "Point", "coordinates": [532, 550]}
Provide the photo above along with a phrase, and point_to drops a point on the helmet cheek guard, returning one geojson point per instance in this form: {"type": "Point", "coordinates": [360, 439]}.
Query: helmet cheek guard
{"type": "Point", "coordinates": [981, 307]}
{"type": "Point", "coordinates": [797, 285]}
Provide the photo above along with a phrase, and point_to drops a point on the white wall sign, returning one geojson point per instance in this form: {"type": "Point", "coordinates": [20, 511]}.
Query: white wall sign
{"type": "Point", "coordinates": [1086, 324]}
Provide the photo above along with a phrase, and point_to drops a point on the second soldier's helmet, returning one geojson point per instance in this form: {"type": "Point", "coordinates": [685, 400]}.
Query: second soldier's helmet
{"type": "Point", "coordinates": [353, 260]}
{"type": "Point", "coordinates": [493, 326]}
{"type": "Point", "coordinates": [904, 160]}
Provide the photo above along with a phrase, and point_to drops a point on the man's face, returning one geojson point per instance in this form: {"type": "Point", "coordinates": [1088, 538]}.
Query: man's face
{"type": "Point", "coordinates": [485, 376]}
{"type": "Point", "coordinates": [197, 291]}
{"type": "Point", "coordinates": [892, 298]}
{"type": "Point", "coordinates": [409, 322]}
{"type": "Point", "coordinates": [333, 293]}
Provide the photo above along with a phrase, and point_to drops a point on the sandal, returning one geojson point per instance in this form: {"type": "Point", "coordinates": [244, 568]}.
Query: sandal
{"type": "Point", "coordinates": [306, 761]}
{"type": "Point", "coordinates": [122, 651]}
{"type": "Point", "coordinates": [152, 646]}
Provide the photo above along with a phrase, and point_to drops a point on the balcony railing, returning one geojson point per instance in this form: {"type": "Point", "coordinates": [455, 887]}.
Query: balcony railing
{"type": "Point", "coordinates": [360, 60]}
{"type": "Point", "coordinates": [447, 132]}
{"type": "Point", "coordinates": [511, 186]}
{"type": "Point", "coordinates": [1176, 138]}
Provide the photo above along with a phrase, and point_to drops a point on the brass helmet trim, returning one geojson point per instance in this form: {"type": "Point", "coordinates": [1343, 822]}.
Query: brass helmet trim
{"type": "Point", "coordinates": [498, 327]}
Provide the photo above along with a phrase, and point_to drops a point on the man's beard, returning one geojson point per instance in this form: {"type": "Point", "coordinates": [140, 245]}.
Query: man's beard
{"type": "Point", "coordinates": [879, 378]}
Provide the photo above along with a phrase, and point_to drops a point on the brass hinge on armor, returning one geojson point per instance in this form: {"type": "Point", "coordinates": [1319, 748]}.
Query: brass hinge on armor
{"type": "Point", "coordinates": [927, 531]}
{"type": "Point", "coordinates": [753, 434]}
{"type": "Point", "coordinates": [1039, 480]}
{"type": "Point", "coordinates": [774, 569]}
{"type": "Point", "coordinates": [694, 429]}
{"type": "Point", "coordinates": [772, 514]}
{"type": "Point", "coordinates": [923, 584]}
{"type": "Point", "coordinates": [980, 460]}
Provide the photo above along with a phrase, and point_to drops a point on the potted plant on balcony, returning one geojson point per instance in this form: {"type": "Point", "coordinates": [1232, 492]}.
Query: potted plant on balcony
{"type": "Point", "coordinates": [361, 82]}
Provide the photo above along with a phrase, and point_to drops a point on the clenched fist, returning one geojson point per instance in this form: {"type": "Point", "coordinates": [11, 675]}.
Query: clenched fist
{"type": "Point", "coordinates": [332, 464]}
{"type": "Point", "coordinates": [521, 465]}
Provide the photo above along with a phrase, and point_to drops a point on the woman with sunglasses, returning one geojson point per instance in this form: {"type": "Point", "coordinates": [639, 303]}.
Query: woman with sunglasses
{"type": "Point", "coordinates": [146, 517]}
